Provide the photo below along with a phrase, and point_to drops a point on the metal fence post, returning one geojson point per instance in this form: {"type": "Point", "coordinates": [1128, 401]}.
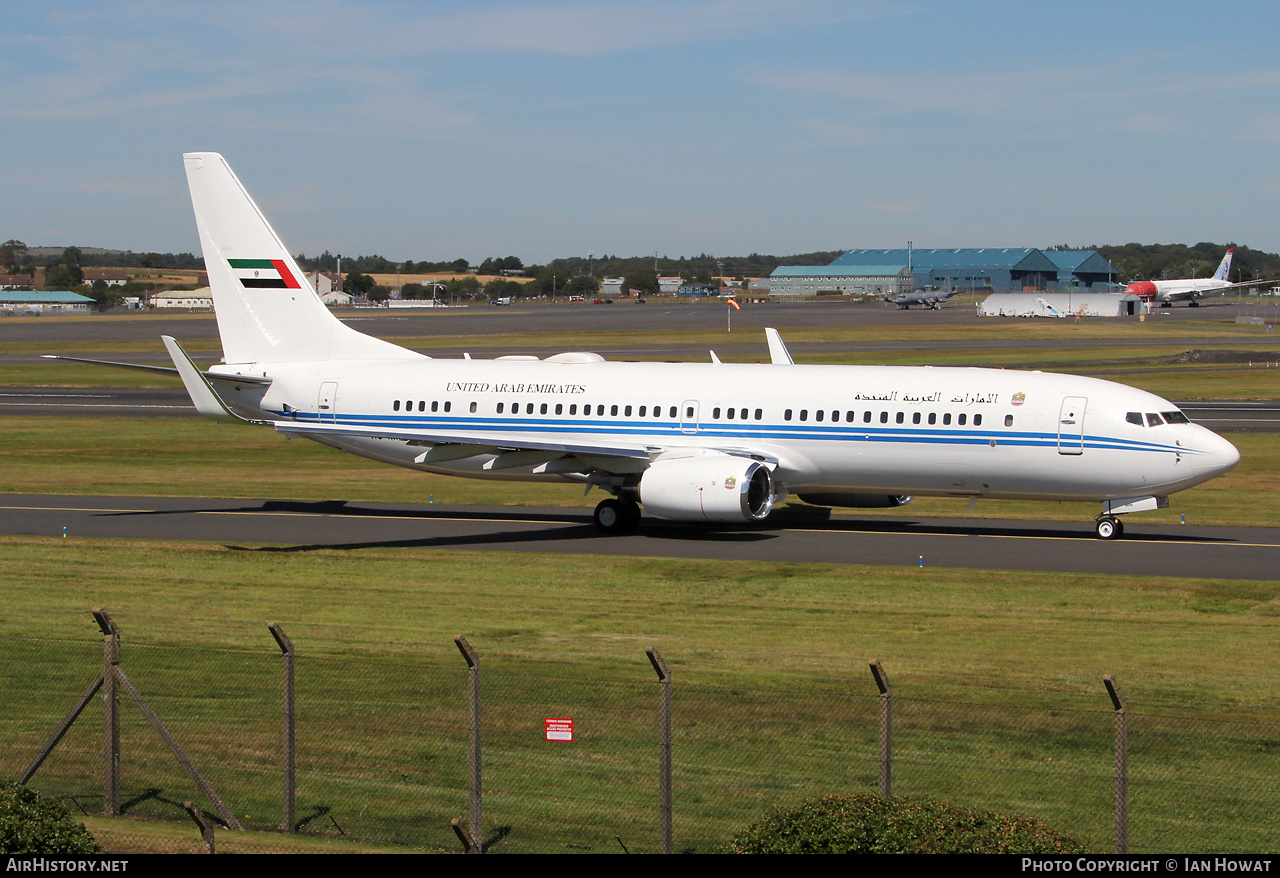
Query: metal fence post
{"type": "Point", "coordinates": [1122, 763]}
{"type": "Point", "coordinates": [289, 815]}
{"type": "Point", "coordinates": [110, 713]}
{"type": "Point", "coordinates": [886, 727]}
{"type": "Point", "coordinates": [476, 828]}
{"type": "Point", "coordinates": [664, 749]}
{"type": "Point", "coordinates": [205, 827]}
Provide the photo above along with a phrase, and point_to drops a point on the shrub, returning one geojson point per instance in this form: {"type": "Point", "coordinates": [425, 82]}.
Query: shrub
{"type": "Point", "coordinates": [866, 824]}
{"type": "Point", "coordinates": [31, 825]}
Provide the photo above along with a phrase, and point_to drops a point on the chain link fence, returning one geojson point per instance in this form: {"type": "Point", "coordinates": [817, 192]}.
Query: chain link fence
{"type": "Point", "coordinates": [383, 736]}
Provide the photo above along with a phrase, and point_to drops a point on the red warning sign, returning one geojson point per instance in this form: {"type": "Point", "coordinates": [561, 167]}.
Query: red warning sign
{"type": "Point", "coordinates": [559, 729]}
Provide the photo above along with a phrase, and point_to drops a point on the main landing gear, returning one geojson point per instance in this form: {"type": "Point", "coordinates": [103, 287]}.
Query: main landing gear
{"type": "Point", "coordinates": [1108, 527]}
{"type": "Point", "coordinates": [617, 516]}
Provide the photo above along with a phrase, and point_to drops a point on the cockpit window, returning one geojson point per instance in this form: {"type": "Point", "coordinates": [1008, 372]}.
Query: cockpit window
{"type": "Point", "coordinates": [1134, 418]}
{"type": "Point", "coordinates": [1176, 418]}
{"type": "Point", "coordinates": [1154, 420]}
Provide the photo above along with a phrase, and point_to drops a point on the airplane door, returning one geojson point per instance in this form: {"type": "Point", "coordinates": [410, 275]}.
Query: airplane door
{"type": "Point", "coordinates": [689, 416]}
{"type": "Point", "coordinates": [1071, 425]}
{"type": "Point", "coordinates": [327, 403]}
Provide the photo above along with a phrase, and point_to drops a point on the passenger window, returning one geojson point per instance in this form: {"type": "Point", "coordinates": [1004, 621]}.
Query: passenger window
{"type": "Point", "coordinates": [804, 414]}
{"type": "Point", "coordinates": [933, 418]}
{"type": "Point", "coordinates": [759, 414]}
{"type": "Point", "coordinates": [866, 417]}
{"type": "Point", "coordinates": [884, 417]}
{"type": "Point", "coordinates": [435, 406]}
{"type": "Point", "coordinates": [499, 408]}
{"type": "Point", "coordinates": [528, 409]}
{"type": "Point", "coordinates": [643, 409]}
{"type": "Point", "coordinates": [786, 416]}
{"type": "Point", "coordinates": [1134, 418]}
{"type": "Point", "coordinates": [422, 404]}
{"type": "Point", "coordinates": [473, 408]}
{"type": "Point", "coordinates": [946, 418]}
{"type": "Point", "coordinates": [977, 420]}
{"type": "Point", "coordinates": [613, 411]}
{"type": "Point", "coordinates": [915, 417]}
{"type": "Point", "coordinates": [559, 408]}
{"type": "Point", "coordinates": [672, 415]}
{"type": "Point", "coordinates": [961, 420]}
{"type": "Point", "coordinates": [1008, 420]}
{"type": "Point", "coordinates": [447, 405]}
{"type": "Point", "coordinates": [688, 412]}
{"type": "Point", "coordinates": [627, 411]}
{"type": "Point", "coordinates": [573, 409]}
{"type": "Point", "coordinates": [848, 416]}
{"type": "Point", "coordinates": [715, 414]}
{"type": "Point", "coordinates": [898, 419]}
{"type": "Point", "coordinates": [600, 411]}
{"type": "Point", "coordinates": [818, 415]}
{"type": "Point", "coordinates": [542, 409]}
{"type": "Point", "coordinates": [729, 414]}
{"type": "Point", "coordinates": [395, 406]}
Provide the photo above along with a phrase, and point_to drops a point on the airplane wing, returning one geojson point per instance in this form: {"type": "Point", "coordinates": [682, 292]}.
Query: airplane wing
{"type": "Point", "coordinates": [484, 441]}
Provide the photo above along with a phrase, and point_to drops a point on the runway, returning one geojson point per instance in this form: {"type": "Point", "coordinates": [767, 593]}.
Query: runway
{"type": "Point", "coordinates": [1067, 547]}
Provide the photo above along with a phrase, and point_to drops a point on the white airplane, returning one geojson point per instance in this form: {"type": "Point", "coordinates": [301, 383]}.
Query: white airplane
{"type": "Point", "coordinates": [1166, 292]}
{"type": "Point", "coordinates": [714, 441]}
{"type": "Point", "coordinates": [929, 298]}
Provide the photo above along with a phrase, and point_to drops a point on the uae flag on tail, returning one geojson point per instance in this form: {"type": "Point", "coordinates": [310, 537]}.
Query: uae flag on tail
{"type": "Point", "coordinates": [264, 273]}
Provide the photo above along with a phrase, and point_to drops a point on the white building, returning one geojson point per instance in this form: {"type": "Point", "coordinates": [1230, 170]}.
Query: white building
{"type": "Point", "coordinates": [1060, 305]}
{"type": "Point", "coordinates": [190, 300]}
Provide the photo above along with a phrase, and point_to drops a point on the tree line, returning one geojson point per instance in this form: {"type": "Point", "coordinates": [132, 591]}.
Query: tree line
{"type": "Point", "coordinates": [577, 275]}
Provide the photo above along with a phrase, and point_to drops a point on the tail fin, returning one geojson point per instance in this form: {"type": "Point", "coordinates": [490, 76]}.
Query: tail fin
{"type": "Point", "coordinates": [266, 310]}
{"type": "Point", "coordinates": [1224, 268]}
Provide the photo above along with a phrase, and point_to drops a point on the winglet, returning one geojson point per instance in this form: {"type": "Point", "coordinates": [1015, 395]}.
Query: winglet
{"type": "Point", "coordinates": [203, 396]}
{"type": "Point", "coordinates": [778, 353]}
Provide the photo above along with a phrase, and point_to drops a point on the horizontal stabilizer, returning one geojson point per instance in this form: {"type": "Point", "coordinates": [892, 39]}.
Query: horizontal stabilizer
{"type": "Point", "coordinates": [162, 370]}
{"type": "Point", "coordinates": [203, 396]}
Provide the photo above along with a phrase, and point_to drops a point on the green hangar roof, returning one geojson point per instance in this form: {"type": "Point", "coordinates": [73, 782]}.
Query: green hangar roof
{"type": "Point", "coordinates": [834, 270]}
{"type": "Point", "coordinates": [42, 297]}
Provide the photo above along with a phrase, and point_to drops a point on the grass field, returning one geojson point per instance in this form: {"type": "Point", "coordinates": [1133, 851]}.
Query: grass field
{"type": "Point", "coordinates": [997, 681]}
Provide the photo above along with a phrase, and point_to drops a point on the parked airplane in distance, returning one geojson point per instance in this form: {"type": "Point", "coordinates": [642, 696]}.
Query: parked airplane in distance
{"type": "Point", "coordinates": [718, 442]}
{"type": "Point", "coordinates": [1191, 290]}
{"type": "Point", "coordinates": [930, 298]}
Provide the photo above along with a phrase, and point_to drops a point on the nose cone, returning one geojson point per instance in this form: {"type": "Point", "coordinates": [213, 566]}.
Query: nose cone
{"type": "Point", "coordinates": [1216, 455]}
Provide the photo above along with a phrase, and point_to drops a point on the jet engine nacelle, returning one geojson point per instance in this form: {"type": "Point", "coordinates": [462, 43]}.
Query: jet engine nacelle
{"type": "Point", "coordinates": [712, 487]}
{"type": "Point", "coordinates": [857, 501]}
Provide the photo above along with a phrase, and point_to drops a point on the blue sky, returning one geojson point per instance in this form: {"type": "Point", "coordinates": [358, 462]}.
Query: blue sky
{"type": "Point", "coordinates": [436, 130]}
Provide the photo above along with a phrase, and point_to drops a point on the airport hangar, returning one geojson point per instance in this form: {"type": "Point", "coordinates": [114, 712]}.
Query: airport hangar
{"type": "Point", "coordinates": [979, 269]}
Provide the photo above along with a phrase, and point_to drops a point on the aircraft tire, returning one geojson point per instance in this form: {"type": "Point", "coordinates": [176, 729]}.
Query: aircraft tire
{"type": "Point", "coordinates": [611, 516]}
{"type": "Point", "coordinates": [632, 514]}
{"type": "Point", "coordinates": [1108, 528]}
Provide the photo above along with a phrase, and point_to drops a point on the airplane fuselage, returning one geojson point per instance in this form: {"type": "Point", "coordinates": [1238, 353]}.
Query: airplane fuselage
{"type": "Point", "coordinates": [858, 429]}
{"type": "Point", "coordinates": [1177, 290]}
